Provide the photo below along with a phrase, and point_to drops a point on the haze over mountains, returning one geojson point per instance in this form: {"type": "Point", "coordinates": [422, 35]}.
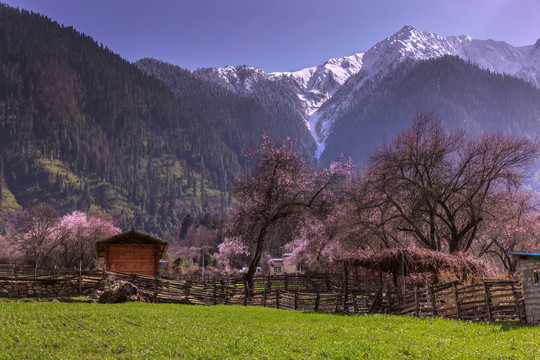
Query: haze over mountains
{"type": "Point", "coordinates": [83, 129]}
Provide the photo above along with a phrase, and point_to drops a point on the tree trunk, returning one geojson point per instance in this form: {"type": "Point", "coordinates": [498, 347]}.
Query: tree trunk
{"type": "Point", "coordinates": [256, 258]}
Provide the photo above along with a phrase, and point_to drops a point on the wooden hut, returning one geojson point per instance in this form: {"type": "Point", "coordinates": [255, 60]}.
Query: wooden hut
{"type": "Point", "coordinates": [283, 265]}
{"type": "Point", "coordinates": [132, 252]}
{"type": "Point", "coordinates": [529, 264]}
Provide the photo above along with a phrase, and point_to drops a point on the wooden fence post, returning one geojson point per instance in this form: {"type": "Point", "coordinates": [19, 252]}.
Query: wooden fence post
{"type": "Point", "coordinates": [458, 310]}
{"type": "Point", "coordinates": [80, 277]}
{"type": "Point", "coordinates": [156, 283]}
{"type": "Point", "coordinates": [296, 299]}
{"type": "Point", "coordinates": [432, 299]}
{"type": "Point", "coordinates": [488, 301]}
{"type": "Point", "coordinates": [518, 303]}
{"type": "Point", "coordinates": [286, 282]}
{"type": "Point", "coordinates": [317, 300]}
{"type": "Point", "coordinates": [416, 305]}
{"type": "Point", "coordinates": [264, 296]}
{"type": "Point", "coordinates": [346, 287]}
{"type": "Point", "coordinates": [376, 300]}
{"type": "Point", "coordinates": [215, 292]}
{"type": "Point", "coordinates": [327, 282]}
{"type": "Point", "coordinates": [337, 303]}
{"type": "Point", "coordinates": [187, 289]}
{"type": "Point", "coordinates": [277, 298]}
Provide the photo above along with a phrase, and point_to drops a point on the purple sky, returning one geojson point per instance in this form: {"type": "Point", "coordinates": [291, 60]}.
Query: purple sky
{"type": "Point", "coordinates": [279, 35]}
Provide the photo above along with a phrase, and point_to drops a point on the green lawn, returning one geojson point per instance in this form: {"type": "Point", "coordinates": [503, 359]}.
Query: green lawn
{"type": "Point", "coordinates": [160, 331]}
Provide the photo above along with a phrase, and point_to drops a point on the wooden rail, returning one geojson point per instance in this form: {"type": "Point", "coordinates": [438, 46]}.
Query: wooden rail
{"type": "Point", "coordinates": [491, 300]}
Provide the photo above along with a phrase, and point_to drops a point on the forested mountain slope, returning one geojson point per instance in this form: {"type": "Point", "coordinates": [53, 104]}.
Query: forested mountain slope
{"type": "Point", "coordinates": [238, 119]}
{"type": "Point", "coordinates": [81, 128]}
{"type": "Point", "coordinates": [464, 95]}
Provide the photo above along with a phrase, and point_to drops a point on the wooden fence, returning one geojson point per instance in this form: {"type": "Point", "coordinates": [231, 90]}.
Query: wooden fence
{"type": "Point", "coordinates": [491, 300]}
{"type": "Point", "coordinates": [305, 282]}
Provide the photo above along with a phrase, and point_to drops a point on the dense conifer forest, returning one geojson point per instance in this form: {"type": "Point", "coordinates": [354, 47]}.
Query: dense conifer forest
{"type": "Point", "coordinates": [83, 129]}
{"type": "Point", "coordinates": [240, 119]}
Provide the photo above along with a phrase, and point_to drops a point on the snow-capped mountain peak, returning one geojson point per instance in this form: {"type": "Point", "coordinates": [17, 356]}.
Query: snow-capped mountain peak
{"type": "Point", "coordinates": [406, 43]}
{"type": "Point", "coordinates": [410, 43]}
{"type": "Point", "coordinates": [313, 86]}
{"type": "Point", "coordinates": [327, 90]}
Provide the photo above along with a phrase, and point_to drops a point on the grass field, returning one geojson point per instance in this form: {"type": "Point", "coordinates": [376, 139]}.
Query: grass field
{"type": "Point", "coordinates": [50, 330]}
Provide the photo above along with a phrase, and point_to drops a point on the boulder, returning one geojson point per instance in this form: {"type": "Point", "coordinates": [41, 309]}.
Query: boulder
{"type": "Point", "coordinates": [119, 293]}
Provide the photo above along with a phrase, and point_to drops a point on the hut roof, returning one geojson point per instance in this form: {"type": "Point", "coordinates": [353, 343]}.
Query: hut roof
{"type": "Point", "coordinates": [131, 238]}
{"type": "Point", "coordinates": [413, 261]}
{"type": "Point", "coordinates": [523, 254]}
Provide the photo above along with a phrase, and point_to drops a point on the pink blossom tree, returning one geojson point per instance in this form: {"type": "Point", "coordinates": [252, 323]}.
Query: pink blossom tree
{"type": "Point", "coordinates": [315, 247]}
{"type": "Point", "coordinates": [281, 189]}
{"type": "Point", "coordinates": [79, 233]}
{"type": "Point", "coordinates": [42, 237]}
{"type": "Point", "coordinates": [232, 253]}
{"type": "Point", "coordinates": [513, 226]}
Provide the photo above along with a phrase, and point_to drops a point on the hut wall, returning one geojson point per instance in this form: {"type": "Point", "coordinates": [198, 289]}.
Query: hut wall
{"type": "Point", "coordinates": [289, 267]}
{"type": "Point", "coordinates": [140, 259]}
{"type": "Point", "coordinates": [277, 264]}
{"type": "Point", "coordinates": [531, 291]}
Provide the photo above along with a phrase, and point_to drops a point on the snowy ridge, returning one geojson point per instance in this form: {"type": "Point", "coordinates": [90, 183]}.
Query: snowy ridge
{"type": "Point", "coordinates": [317, 84]}
{"type": "Point", "coordinates": [240, 79]}
{"type": "Point", "coordinates": [313, 86]}
{"type": "Point", "coordinates": [326, 91]}
{"type": "Point", "coordinates": [410, 43]}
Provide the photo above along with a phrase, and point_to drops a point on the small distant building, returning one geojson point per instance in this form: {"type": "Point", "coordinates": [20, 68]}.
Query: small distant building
{"type": "Point", "coordinates": [283, 265]}
{"type": "Point", "coordinates": [132, 252]}
{"type": "Point", "coordinates": [530, 277]}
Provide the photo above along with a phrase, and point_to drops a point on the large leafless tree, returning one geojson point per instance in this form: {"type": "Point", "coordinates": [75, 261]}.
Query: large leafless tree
{"type": "Point", "coordinates": [435, 185]}
{"type": "Point", "coordinates": [38, 234]}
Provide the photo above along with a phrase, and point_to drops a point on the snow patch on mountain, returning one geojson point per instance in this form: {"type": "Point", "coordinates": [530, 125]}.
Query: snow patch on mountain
{"type": "Point", "coordinates": [318, 84]}
{"type": "Point", "coordinates": [239, 79]}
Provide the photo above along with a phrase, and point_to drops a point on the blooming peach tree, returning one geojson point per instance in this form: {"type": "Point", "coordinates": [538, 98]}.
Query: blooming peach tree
{"type": "Point", "coordinates": [280, 191]}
